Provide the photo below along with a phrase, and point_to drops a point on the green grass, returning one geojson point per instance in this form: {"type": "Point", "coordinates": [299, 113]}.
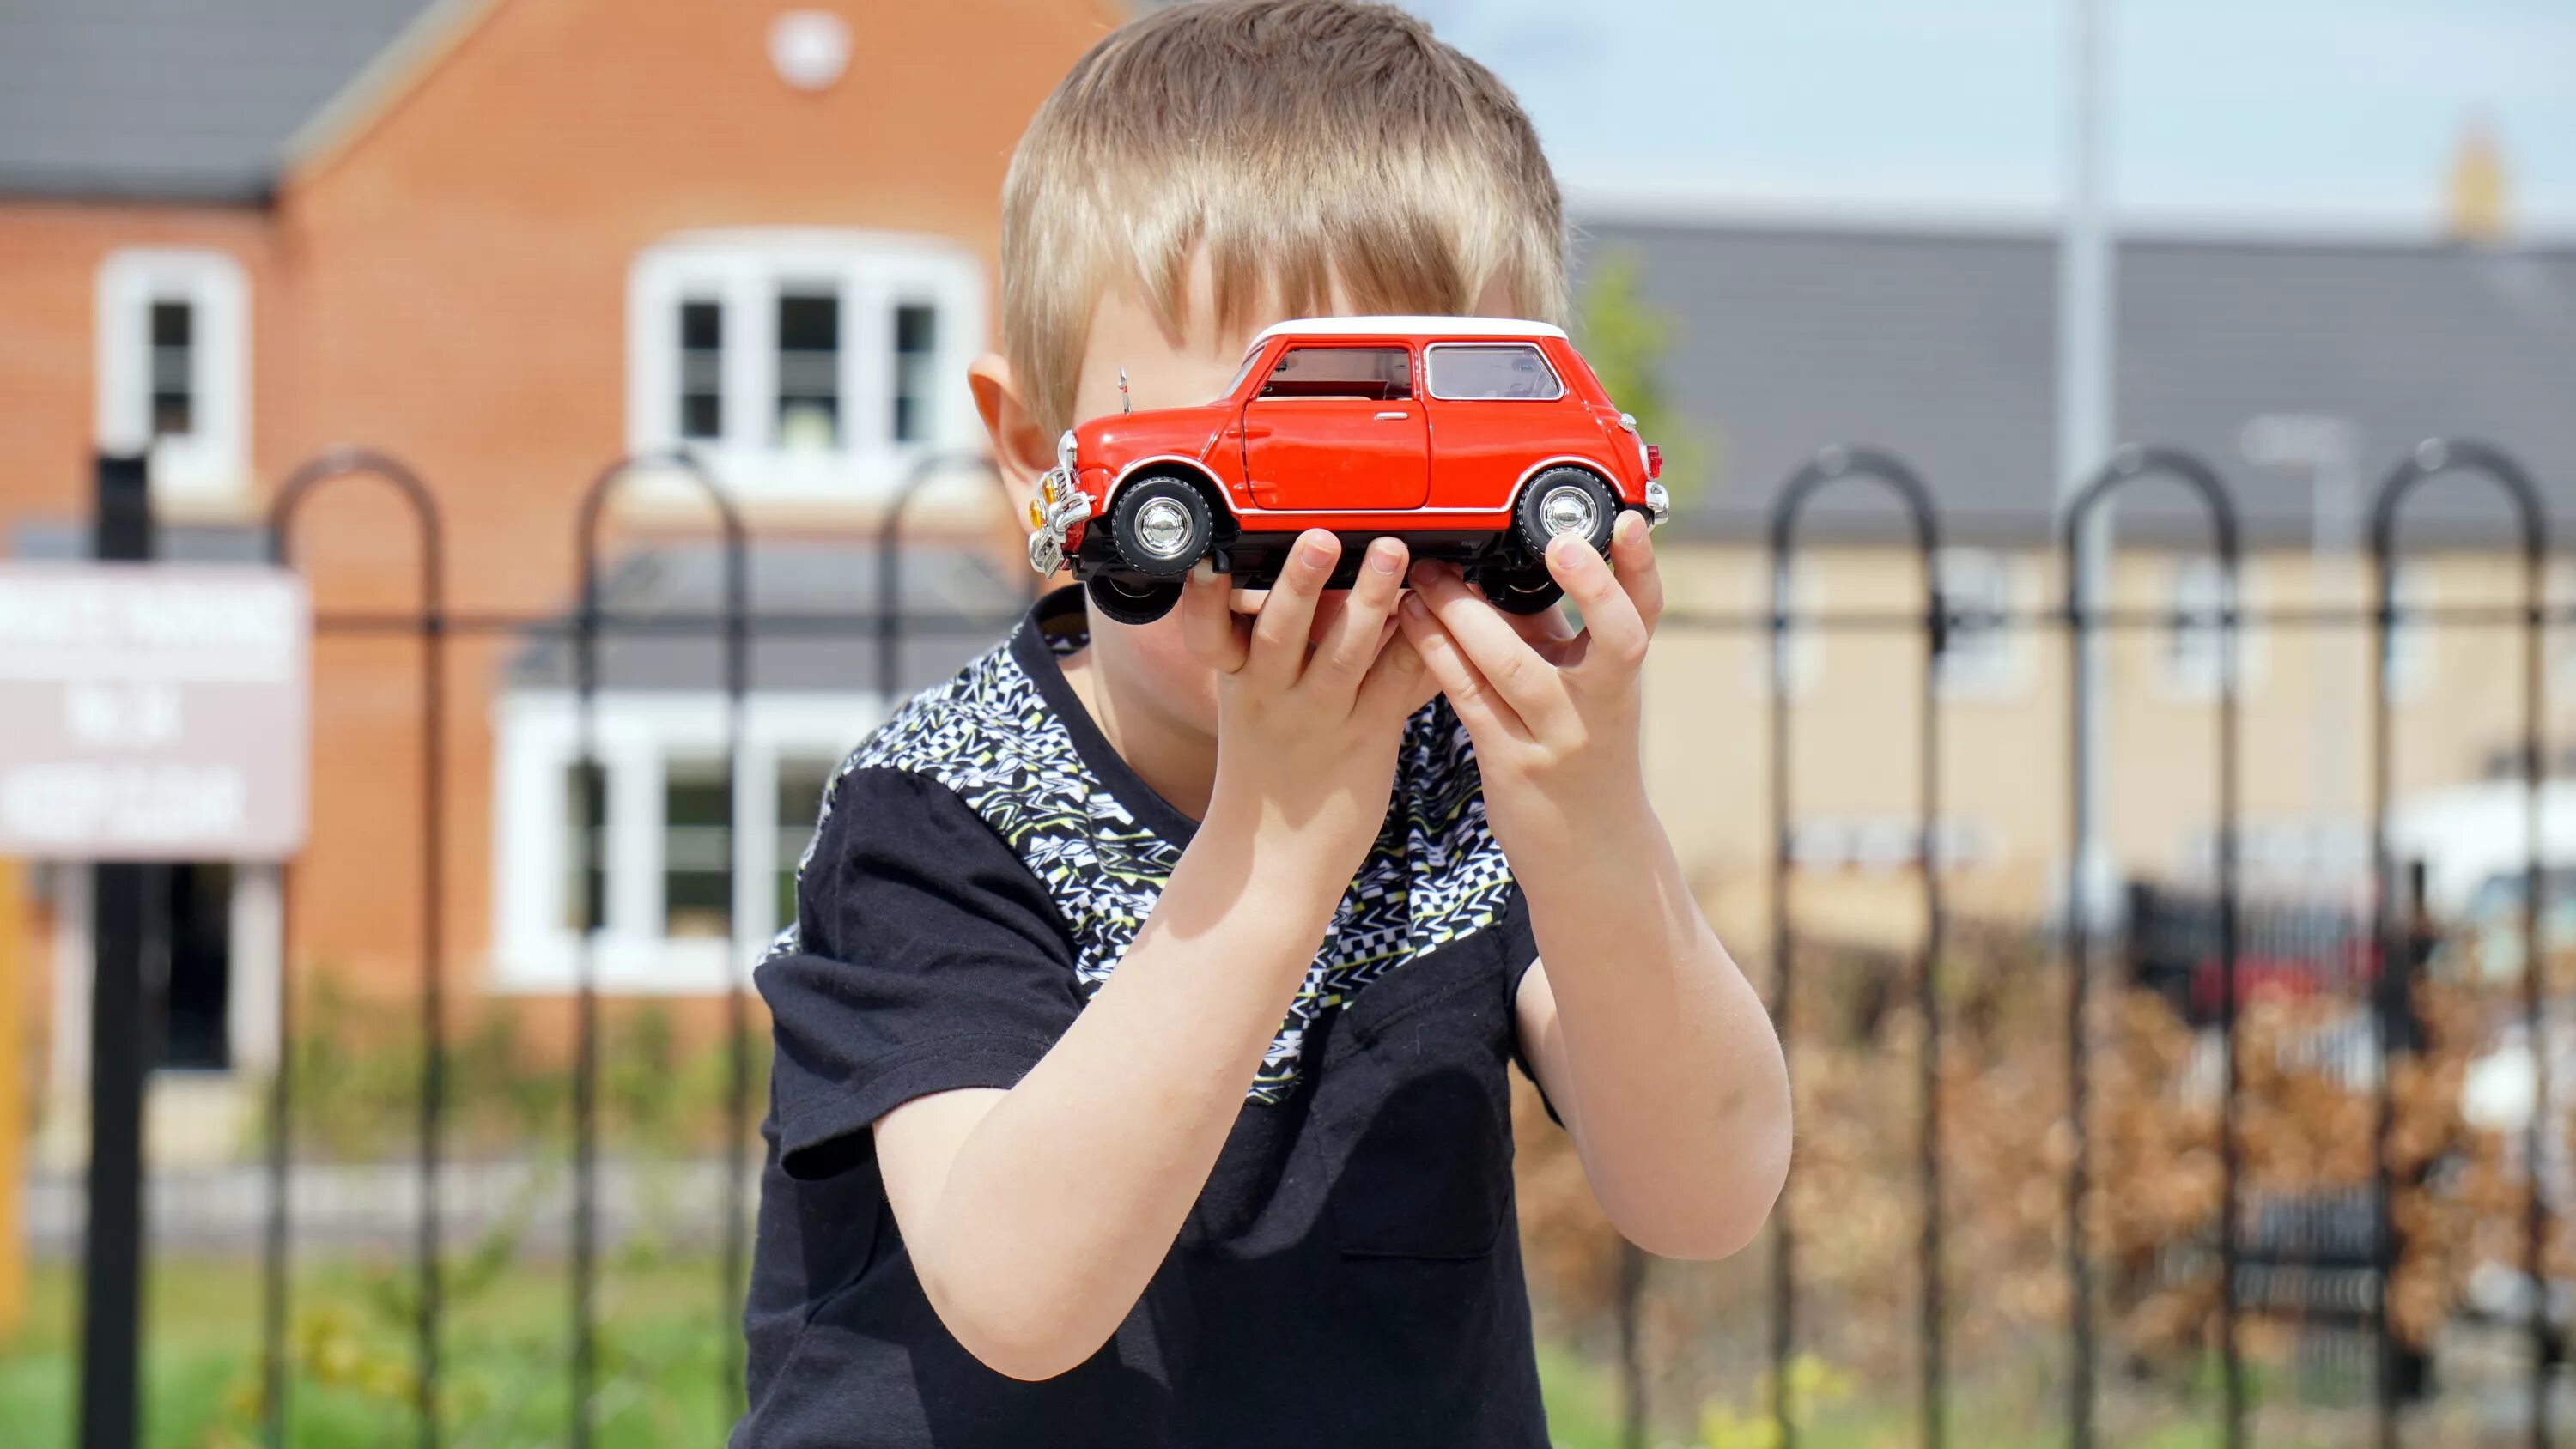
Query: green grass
{"type": "Point", "coordinates": [662, 1353]}
{"type": "Point", "coordinates": [505, 1378]}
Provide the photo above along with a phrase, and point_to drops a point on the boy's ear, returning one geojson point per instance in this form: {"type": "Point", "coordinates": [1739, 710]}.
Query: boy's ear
{"type": "Point", "coordinates": [1021, 451]}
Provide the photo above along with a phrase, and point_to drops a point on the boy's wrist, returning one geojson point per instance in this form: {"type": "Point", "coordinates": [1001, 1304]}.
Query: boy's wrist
{"type": "Point", "coordinates": [1618, 853]}
{"type": "Point", "coordinates": [1296, 864]}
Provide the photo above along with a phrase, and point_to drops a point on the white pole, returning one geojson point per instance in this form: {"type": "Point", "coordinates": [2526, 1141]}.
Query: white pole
{"type": "Point", "coordinates": [2085, 422]}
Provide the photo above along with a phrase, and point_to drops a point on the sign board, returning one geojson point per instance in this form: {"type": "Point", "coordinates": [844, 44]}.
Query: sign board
{"type": "Point", "coordinates": [152, 711]}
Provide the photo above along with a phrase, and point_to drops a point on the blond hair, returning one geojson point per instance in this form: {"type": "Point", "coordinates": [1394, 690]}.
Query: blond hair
{"type": "Point", "coordinates": [1298, 144]}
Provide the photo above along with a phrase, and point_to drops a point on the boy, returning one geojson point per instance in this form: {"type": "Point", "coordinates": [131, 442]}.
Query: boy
{"type": "Point", "coordinates": [1142, 1032]}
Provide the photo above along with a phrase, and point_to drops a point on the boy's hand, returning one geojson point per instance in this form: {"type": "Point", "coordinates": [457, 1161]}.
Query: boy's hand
{"type": "Point", "coordinates": [1307, 732]}
{"type": "Point", "coordinates": [1553, 714]}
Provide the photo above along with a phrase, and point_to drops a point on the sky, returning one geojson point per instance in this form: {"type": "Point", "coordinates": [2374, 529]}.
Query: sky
{"type": "Point", "coordinates": [2290, 113]}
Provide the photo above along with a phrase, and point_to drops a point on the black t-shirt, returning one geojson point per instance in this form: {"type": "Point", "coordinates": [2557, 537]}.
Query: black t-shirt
{"type": "Point", "coordinates": [1351, 1275]}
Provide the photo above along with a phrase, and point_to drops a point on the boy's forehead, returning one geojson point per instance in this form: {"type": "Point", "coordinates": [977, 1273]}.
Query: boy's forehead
{"type": "Point", "coordinates": [1128, 320]}
{"type": "Point", "coordinates": [1189, 358]}
{"type": "Point", "coordinates": [1167, 364]}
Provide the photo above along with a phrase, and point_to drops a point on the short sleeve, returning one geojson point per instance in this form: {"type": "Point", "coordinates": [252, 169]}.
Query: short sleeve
{"type": "Point", "coordinates": [926, 958]}
{"type": "Point", "coordinates": [1520, 953]}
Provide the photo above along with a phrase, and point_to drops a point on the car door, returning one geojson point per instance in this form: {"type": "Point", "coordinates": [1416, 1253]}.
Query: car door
{"type": "Point", "coordinates": [1335, 426]}
{"type": "Point", "coordinates": [1497, 407]}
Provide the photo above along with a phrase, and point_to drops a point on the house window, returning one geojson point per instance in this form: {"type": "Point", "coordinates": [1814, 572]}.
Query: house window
{"type": "Point", "coordinates": [803, 363]}
{"type": "Point", "coordinates": [173, 369]}
{"type": "Point", "coordinates": [585, 887]}
{"type": "Point", "coordinates": [697, 849]}
{"type": "Point", "coordinates": [801, 782]}
{"type": "Point", "coordinates": [653, 865]}
{"type": "Point", "coordinates": [916, 356]}
{"type": "Point", "coordinates": [2410, 634]}
{"type": "Point", "coordinates": [1982, 656]}
{"type": "Point", "coordinates": [2195, 648]}
{"type": "Point", "coordinates": [809, 371]}
{"type": "Point", "coordinates": [197, 983]}
{"type": "Point", "coordinates": [701, 370]}
{"type": "Point", "coordinates": [1794, 660]}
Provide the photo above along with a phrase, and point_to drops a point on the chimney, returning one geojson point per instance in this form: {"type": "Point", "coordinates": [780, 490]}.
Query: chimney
{"type": "Point", "coordinates": [2475, 199]}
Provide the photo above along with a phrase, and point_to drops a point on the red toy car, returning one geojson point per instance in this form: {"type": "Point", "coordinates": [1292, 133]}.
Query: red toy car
{"type": "Point", "coordinates": [1473, 439]}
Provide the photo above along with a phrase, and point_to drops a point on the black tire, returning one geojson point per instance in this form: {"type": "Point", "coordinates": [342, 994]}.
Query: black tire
{"type": "Point", "coordinates": [1127, 602]}
{"type": "Point", "coordinates": [1161, 494]}
{"type": "Point", "coordinates": [1531, 515]}
{"type": "Point", "coordinates": [1517, 592]}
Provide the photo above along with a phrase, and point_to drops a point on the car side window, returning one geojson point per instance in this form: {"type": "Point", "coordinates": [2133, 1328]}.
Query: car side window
{"type": "Point", "coordinates": [1379, 374]}
{"type": "Point", "coordinates": [1476, 371]}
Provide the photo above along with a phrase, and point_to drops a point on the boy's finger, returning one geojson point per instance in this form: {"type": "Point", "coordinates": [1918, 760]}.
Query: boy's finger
{"type": "Point", "coordinates": [1485, 712]}
{"type": "Point", "coordinates": [1281, 633]}
{"type": "Point", "coordinates": [1350, 642]}
{"type": "Point", "coordinates": [1503, 659]}
{"type": "Point", "coordinates": [1633, 551]}
{"type": "Point", "coordinates": [1208, 625]}
{"type": "Point", "coordinates": [1547, 626]}
{"type": "Point", "coordinates": [1399, 683]}
{"type": "Point", "coordinates": [1609, 615]}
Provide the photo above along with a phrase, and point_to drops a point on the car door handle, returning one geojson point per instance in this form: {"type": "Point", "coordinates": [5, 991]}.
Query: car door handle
{"type": "Point", "coordinates": [1396, 417]}
{"type": "Point", "coordinates": [1255, 430]}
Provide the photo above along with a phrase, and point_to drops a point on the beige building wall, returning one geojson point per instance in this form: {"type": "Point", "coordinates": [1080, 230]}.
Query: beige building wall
{"type": "Point", "coordinates": [1854, 719]}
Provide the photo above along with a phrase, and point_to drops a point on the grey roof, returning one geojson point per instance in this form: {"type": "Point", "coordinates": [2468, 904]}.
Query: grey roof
{"type": "Point", "coordinates": [813, 611]}
{"type": "Point", "coordinates": [173, 99]}
{"type": "Point", "coordinates": [1941, 348]}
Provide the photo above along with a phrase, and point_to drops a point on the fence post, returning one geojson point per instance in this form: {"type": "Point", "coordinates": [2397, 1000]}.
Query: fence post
{"type": "Point", "coordinates": [889, 621]}
{"type": "Point", "coordinates": [124, 1024]}
{"type": "Point", "coordinates": [14, 976]}
{"type": "Point", "coordinates": [2431, 459]}
{"type": "Point", "coordinates": [1829, 466]}
{"type": "Point", "coordinates": [2128, 465]}
{"type": "Point", "coordinates": [428, 1313]}
{"type": "Point", "coordinates": [585, 1249]}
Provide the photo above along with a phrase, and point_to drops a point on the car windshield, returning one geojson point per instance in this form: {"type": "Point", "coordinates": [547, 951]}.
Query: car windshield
{"type": "Point", "coordinates": [1242, 372]}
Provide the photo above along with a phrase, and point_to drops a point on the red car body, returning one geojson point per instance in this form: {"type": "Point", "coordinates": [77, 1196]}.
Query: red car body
{"type": "Point", "coordinates": [1431, 429]}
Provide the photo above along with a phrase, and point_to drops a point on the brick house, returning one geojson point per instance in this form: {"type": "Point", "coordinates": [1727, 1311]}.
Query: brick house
{"type": "Point", "coordinates": [511, 240]}
{"type": "Point", "coordinates": [506, 241]}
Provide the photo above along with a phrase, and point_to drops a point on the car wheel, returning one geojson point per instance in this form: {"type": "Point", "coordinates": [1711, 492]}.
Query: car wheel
{"type": "Point", "coordinates": [1127, 602]}
{"type": "Point", "coordinates": [1519, 592]}
{"type": "Point", "coordinates": [1161, 526]}
{"type": "Point", "coordinates": [1565, 500]}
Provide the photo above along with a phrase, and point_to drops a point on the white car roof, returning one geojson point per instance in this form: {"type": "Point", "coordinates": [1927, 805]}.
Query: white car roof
{"type": "Point", "coordinates": [1439, 326]}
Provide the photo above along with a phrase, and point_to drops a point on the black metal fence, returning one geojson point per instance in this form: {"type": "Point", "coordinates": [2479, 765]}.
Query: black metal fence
{"type": "Point", "coordinates": [2213, 953]}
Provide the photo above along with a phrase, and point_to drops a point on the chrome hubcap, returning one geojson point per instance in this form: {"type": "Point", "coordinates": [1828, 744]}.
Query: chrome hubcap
{"type": "Point", "coordinates": [1163, 527]}
{"type": "Point", "coordinates": [1568, 509]}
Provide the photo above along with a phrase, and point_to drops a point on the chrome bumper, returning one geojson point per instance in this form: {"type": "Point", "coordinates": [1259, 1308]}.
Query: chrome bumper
{"type": "Point", "coordinates": [1659, 505]}
{"type": "Point", "coordinates": [1058, 506]}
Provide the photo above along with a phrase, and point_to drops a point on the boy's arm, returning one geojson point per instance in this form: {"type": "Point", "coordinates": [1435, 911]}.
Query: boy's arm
{"type": "Point", "coordinates": [1036, 1216]}
{"type": "Point", "coordinates": [1650, 1043]}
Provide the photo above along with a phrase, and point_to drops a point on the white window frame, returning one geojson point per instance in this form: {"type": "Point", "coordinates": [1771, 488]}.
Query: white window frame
{"type": "Point", "coordinates": [635, 734]}
{"type": "Point", "coordinates": [1998, 666]}
{"type": "Point", "coordinates": [211, 464]}
{"type": "Point", "coordinates": [2195, 585]}
{"type": "Point", "coordinates": [745, 270]}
